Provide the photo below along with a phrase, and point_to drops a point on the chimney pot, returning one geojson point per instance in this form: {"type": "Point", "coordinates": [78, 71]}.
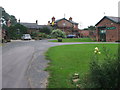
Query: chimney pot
{"type": "Point", "coordinates": [53, 18]}
{"type": "Point", "coordinates": [19, 20]}
{"type": "Point", "coordinates": [48, 22]}
{"type": "Point", "coordinates": [70, 18]}
{"type": "Point", "coordinates": [36, 21]}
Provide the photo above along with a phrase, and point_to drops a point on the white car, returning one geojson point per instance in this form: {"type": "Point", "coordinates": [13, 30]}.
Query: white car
{"type": "Point", "coordinates": [26, 37]}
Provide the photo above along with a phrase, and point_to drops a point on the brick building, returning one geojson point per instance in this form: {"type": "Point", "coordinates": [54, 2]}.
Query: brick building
{"type": "Point", "coordinates": [108, 29]}
{"type": "Point", "coordinates": [68, 26]}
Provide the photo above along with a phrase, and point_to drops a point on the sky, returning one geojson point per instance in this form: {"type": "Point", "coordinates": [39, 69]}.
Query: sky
{"type": "Point", "coordinates": [84, 12]}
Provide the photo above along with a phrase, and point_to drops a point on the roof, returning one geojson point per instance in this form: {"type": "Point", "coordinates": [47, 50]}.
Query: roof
{"type": "Point", "coordinates": [30, 25]}
{"type": "Point", "coordinates": [111, 18]}
{"type": "Point", "coordinates": [34, 25]}
{"type": "Point", "coordinates": [66, 20]}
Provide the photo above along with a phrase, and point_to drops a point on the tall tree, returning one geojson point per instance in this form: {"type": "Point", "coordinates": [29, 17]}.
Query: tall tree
{"type": "Point", "coordinates": [6, 17]}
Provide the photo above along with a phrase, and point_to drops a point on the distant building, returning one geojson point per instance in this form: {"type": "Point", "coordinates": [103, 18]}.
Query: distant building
{"type": "Point", "coordinates": [68, 26]}
{"type": "Point", "coordinates": [33, 27]}
{"type": "Point", "coordinates": [108, 29]}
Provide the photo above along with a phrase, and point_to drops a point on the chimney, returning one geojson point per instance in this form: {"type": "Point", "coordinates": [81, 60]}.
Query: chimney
{"type": "Point", "coordinates": [19, 21]}
{"type": "Point", "coordinates": [70, 18]}
{"type": "Point", "coordinates": [36, 21]}
{"type": "Point", "coordinates": [53, 18]}
{"type": "Point", "coordinates": [48, 22]}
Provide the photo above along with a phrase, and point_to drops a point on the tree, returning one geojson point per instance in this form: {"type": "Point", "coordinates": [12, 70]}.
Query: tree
{"type": "Point", "coordinates": [13, 19]}
{"type": "Point", "coordinates": [58, 33]}
{"type": "Point", "coordinates": [90, 28]}
{"type": "Point", "coordinates": [16, 31]}
{"type": "Point", "coordinates": [6, 17]}
{"type": "Point", "coordinates": [45, 30]}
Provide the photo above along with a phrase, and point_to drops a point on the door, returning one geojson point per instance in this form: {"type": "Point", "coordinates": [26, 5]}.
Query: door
{"type": "Point", "coordinates": [102, 34]}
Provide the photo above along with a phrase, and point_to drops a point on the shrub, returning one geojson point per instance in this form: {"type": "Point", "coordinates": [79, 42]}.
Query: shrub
{"type": "Point", "coordinates": [58, 33]}
{"type": "Point", "coordinates": [104, 74]}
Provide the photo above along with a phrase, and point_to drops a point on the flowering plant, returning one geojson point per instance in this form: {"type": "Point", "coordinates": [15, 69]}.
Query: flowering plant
{"type": "Point", "coordinates": [97, 51]}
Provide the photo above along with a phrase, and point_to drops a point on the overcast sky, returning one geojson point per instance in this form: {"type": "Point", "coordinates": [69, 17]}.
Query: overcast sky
{"type": "Point", "coordinates": [84, 12]}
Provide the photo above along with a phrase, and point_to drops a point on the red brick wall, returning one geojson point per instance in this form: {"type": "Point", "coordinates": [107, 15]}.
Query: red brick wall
{"type": "Point", "coordinates": [69, 28]}
{"type": "Point", "coordinates": [119, 32]}
{"type": "Point", "coordinates": [111, 35]}
{"type": "Point", "coordinates": [84, 33]}
{"type": "Point", "coordinates": [75, 26]}
{"type": "Point", "coordinates": [67, 24]}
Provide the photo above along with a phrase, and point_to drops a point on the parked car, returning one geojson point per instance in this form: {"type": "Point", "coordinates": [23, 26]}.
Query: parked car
{"type": "Point", "coordinates": [71, 36]}
{"type": "Point", "coordinates": [26, 37]}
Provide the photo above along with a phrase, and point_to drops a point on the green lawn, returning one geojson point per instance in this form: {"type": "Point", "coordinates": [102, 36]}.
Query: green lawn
{"type": "Point", "coordinates": [74, 40]}
{"type": "Point", "coordinates": [69, 59]}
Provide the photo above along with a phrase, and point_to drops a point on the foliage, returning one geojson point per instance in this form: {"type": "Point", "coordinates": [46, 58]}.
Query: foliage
{"type": "Point", "coordinates": [45, 30]}
{"type": "Point", "coordinates": [90, 28]}
{"type": "Point", "coordinates": [13, 19]}
{"type": "Point", "coordinates": [16, 31]}
{"type": "Point", "coordinates": [6, 17]}
{"type": "Point", "coordinates": [4, 27]}
{"type": "Point", "coordinates": [58, 33]}
{"type": "Point", "coordinates": [38, 35]}
{"type": "Point", "coordinates": [106, 74]}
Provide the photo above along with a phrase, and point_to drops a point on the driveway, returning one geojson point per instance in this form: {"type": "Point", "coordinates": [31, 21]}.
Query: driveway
{"type": "Point", "coordinates": [23, 63]}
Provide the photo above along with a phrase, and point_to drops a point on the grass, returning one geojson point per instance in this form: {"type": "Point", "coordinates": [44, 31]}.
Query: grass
{"type": "Point", "coordinates": [74, 40]}
{"type": "Point", "coordinates": [69, 59]}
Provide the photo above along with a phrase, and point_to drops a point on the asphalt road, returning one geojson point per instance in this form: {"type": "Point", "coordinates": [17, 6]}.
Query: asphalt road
{"type": "Point", "coordinates": [23, 64]}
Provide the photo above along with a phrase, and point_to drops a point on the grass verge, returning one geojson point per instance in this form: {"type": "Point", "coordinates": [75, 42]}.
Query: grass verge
{"type": "Point", "coordinates": [69, 59]}
{"type": "Point", "coordinates": [74, 40]}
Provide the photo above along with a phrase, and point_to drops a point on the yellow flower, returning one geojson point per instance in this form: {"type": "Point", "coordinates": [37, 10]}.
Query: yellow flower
{"type": "Point", "coordinates": [96, 49]}
{"type": "Point", "coordinates": [76, 74]}
{"type": "Point", "coordinates": [99, 52]}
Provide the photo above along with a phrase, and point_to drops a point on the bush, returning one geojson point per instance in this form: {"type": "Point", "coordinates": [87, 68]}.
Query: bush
{"type": "Point", "coordinates": [103, 75]}
{"type": "Point", "coordinates": [58, 33]}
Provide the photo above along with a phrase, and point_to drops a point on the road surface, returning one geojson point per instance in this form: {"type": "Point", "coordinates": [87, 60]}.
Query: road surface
{"type": "Point", "coordinates": [23, 64]}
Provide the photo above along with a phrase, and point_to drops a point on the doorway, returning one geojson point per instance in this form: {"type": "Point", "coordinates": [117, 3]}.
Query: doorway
{"type": "Point", "coordinates": [102, 34]}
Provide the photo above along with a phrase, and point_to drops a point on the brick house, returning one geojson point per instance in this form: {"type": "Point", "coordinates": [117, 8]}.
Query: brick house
{"type": "Point", "coordinates": [108, 29]}
{"type": "Point", "coordinates": [68, 26]}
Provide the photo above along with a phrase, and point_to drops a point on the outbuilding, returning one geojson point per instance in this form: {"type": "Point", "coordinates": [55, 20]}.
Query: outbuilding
{"type": "Point", "coordinates": [108, 29]}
